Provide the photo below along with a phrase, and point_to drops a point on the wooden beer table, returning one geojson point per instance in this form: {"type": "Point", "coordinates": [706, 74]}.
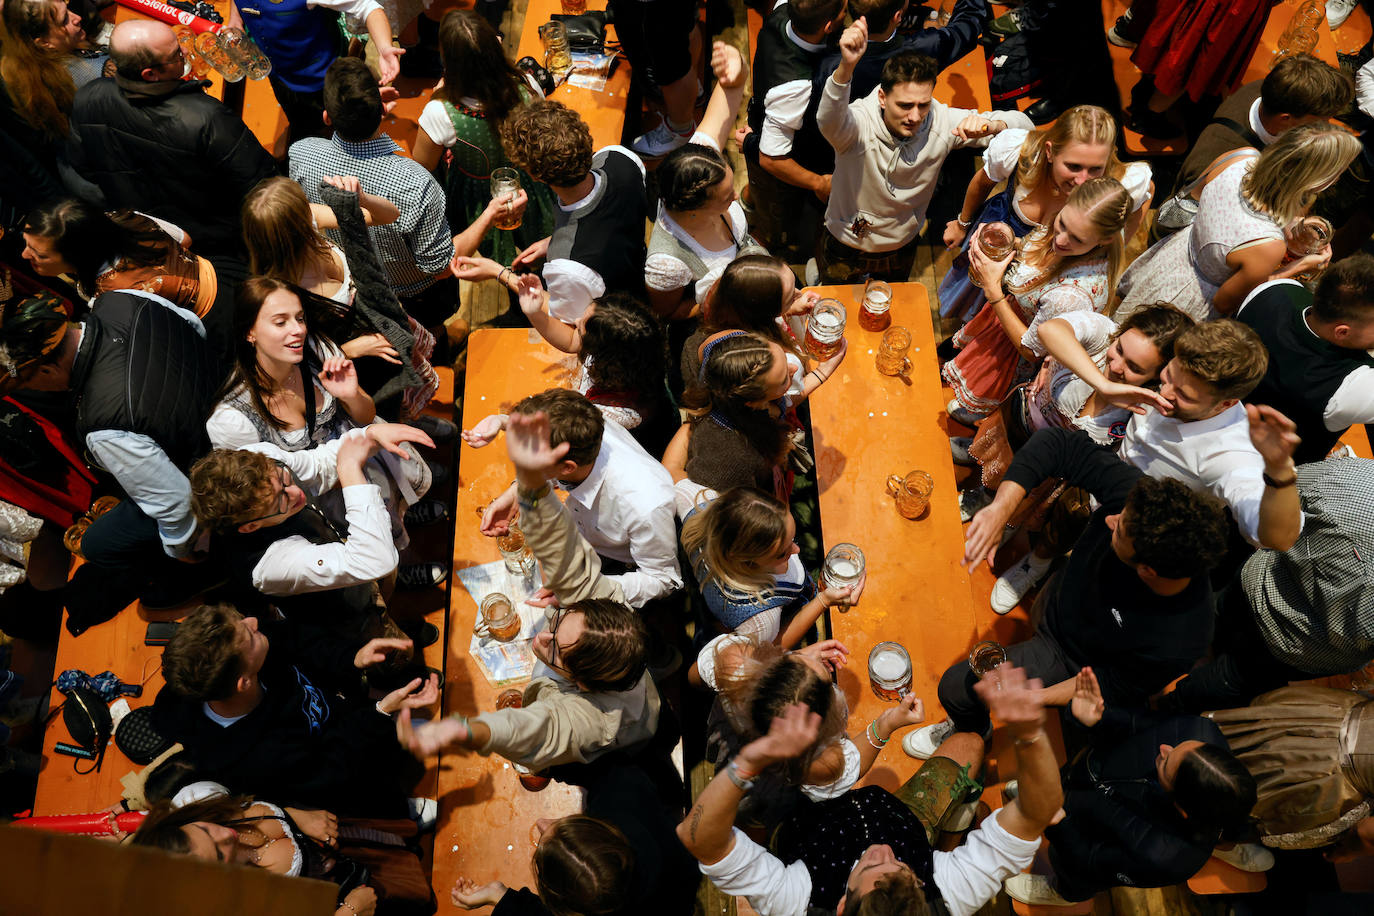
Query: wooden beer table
{"type": "Point", "coordinates": [485, 815]}
{"type": "Point", "coordinates": [866, 426]}
{"type": "Point", "coordinates": [604, 110]}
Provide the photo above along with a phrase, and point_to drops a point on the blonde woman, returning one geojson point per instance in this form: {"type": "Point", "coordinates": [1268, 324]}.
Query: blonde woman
{"type": "Point", "coordinates": [743, 550]}
{"type": "Point", "coordinates": [1069, 266]}
{"type": "Point", "coordinates": [1041, 168]}
{"type": "Point", "coordinates": [1236, 241]}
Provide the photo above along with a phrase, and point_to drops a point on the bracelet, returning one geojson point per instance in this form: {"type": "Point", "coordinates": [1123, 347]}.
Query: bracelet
{"type": "Point", "coordinates": [743, 780]}
{"type": "Point", "coordinates": [997, 300]}
{"type": "Point", "coordinates": [817, 374]}
{"type": "Point", "coordinates": [381, 710]}
{"type": "Point", "coordinates": [1027, 742]}
{"type": "Point", "coordinates": [501, 277]}
{"type": "Point", "coordinates": [1279, 484]}
{"type": "Point", "coordinates": [872, 735]}
{"type": "Point", "coordinates": [963, 223]}
{"type": "Point", "coordinates": [349, 905]}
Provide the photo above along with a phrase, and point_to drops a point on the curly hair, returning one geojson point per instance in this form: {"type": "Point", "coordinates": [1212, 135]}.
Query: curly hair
{"type": "Point", "coordinates": [731, 378]}
{"type": "Point", "coordinates": [625, 346]}
{"type": "Point", "coordinates": [1176, 532]}
{"type": "Point", "coordinates": [896, 894]}
{"type": "Point", "coordinates": [611, 653]}
{"type": "Point", "coordinates": [550, 142]}
{"type": "Point", "coordinates": [228, 485]}
{"type": "Point", "coordinates": [203, 661]}
{"type": "Point", "coordinates": [583, 866]}
{"type": "Point", "coordinates": [1226, 354]}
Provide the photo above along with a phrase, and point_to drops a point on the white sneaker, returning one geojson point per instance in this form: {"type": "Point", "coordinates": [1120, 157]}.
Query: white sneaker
{"type": "Point", "coordinates": [659, 142]}
{"type": "Point", "coordinates": [923, 742]}
{"type": "Point", "coordinates": [1034, 890]}
{"type": "Point", "coordinates": [1337, 11]}
{"type": "Point", "coordinates": [424, 812]}
{"type": "Point", "coordinates": [972, 501]}
{"type": "Point", "coordinates": [1246, 857]}
{"type": "Point", "coordinates": [1013, 584]}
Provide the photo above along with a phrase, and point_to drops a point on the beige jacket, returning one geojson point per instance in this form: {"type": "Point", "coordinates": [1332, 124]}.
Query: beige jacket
{"type": "Point", "coordinates": [885, 181]}
{"type": "Point", "coordinates": [559, 723]}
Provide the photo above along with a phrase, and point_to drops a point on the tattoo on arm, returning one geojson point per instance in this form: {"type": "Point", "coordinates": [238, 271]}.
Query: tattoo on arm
{"type": "Point", "coordinates": [696, 822]}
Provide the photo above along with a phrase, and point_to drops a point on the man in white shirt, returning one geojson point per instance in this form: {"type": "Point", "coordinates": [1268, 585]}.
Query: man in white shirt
{"type": "Point", "coordinates": [889, 147]}
{"type": "Point", "coordinates": [965, 879]}
{"type": "Point", "coordinates": [257, 500]}
{"type": "Point", "coordinates": [597, 245]}
{"type": "Point", "coordinates": [1210, 441]}
{"type": "Point", "coordinates": [620, 497]}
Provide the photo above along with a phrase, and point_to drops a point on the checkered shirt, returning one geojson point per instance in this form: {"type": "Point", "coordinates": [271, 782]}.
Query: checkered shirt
{"type": "Point", "coordinates": [416, 247]}
{"type": "Point", "coordinates": [1315, 602]}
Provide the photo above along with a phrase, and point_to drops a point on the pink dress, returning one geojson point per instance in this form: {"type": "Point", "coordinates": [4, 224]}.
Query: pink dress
{"type": "Point", "coordinates": [986, 368]}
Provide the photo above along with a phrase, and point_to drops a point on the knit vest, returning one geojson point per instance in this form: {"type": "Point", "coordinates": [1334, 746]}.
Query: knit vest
{"type": "Point", "coordinates": [780, 60]}
{"type": "Point", "coordinates": [606, 233]}
{"type": "Point", "coordinates": [301, 42]}
{"type": "Point", "coordinates": [1304, 371]}
{"type": "Point", "coordinates": [144, 369]}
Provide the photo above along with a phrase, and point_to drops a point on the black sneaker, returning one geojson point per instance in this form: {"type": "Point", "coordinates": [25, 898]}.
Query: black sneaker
{"type": "Point", "coordinates": [415, 576]}
{"type": "Point", "coordinates": [958, 449]}
{"type": "Point", "coordinates": [426, 512]}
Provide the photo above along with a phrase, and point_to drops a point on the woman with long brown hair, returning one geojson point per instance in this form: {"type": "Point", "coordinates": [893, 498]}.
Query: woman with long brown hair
{"type": "Point", "coordinates": [45, 60]}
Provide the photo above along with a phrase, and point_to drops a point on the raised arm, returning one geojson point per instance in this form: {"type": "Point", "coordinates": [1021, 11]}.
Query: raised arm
{"type": "Point", "coordinates": [1280, 511]}
{"type": "Point", "coordinates": [1061, 340]}
{"type": "Point", "coordinates": [833, 116]}
{"type": "Point", "coordinates": [1016, 703]}
{"type": "Point", "coordinates": [731, 76]}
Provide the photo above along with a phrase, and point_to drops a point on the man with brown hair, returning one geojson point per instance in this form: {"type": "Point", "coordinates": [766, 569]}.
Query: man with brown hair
{"type": "Point", "coordinates": [1211, 442]}
{"type": "Point", "coordinates": [597, 244]}
{"type": "Point", "coordinates": [278, 711]}
{"type": "Point", "coordinates": [620, 497]}
{"type": "Point", "coordinates": [1299, 90]}
{"type": "Point", "coordinates": [257, 502]}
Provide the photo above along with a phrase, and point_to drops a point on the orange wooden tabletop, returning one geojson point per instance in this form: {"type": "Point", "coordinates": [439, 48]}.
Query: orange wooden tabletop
{"type": "Point", "coordinates": [964, 83]}
{"type": "Point", "coordinates": [1279, 16]}
{"type": "Point", "coordinates": [866, 426]}
{"type": "Point", "coordinates": [485, 816]}
{"type": "Point", "coordinates": [603, 111]}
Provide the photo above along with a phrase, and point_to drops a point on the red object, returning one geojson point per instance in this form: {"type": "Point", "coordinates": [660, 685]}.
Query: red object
{"type": "Point", "coordinates": [1200, 46]}
{"type": "Point", "coordinates": [170, 15]}
{"type": "Point", "coordinates": [103, 823]}
{"type": "Point", "coordinates": [65, 492]}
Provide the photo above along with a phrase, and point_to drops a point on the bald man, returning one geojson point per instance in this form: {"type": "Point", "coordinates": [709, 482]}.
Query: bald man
{"type": "Point", "coordinates": [157, 144]}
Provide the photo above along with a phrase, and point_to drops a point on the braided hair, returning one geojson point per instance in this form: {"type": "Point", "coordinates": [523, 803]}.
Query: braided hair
{"type": "Point", "coordinates": [686, 177]}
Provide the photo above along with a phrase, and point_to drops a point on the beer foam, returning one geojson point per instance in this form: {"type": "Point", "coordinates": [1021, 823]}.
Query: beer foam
{"type": "Point", "coordinates": [887, 665]}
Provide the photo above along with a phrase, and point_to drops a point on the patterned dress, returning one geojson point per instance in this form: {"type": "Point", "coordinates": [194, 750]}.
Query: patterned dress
{"type": "Point", "coordinates": [475, 151]}
{"type": "Point", "coordinates": [988, 364]}
{"type": "Point", "coordinates": [1188, 267]}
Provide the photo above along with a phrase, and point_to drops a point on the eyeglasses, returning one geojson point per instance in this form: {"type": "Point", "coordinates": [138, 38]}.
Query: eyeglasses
{"type": "Point", "coordinates": [555, 652]}
{"type": "Point", "coordinates": [284, 500]}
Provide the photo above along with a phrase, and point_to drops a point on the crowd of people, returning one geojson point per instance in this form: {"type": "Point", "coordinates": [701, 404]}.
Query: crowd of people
{"type": "Point", "coordinates": [216, 366]}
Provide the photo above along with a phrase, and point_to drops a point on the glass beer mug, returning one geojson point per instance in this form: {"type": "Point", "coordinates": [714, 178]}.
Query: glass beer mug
{"type": "Point", "coordinates": [912, 493]}
{"type": "Point", "coordinates": [892, 358]}
{"type": "Point", "coordinates": [498, 619]}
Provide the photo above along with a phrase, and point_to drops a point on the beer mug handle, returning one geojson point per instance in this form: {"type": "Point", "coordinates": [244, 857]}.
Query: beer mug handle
{"type": "Point", "coordinates": [481, 630]}
{"type": "Point", "coordinates": [906, 367]}
{"type": "Point", "coordinates": [895, 482]}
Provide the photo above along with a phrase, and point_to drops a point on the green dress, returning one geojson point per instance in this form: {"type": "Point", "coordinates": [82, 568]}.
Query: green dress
{"type": "Point", "coordinates": [475, 154]}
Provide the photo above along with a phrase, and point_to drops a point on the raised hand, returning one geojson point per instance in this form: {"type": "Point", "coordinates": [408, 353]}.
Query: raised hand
{"type": "Point", "coordinates": [527, 442]}
{"type": "Point", "coordinates": [1013, 699]}
{"type": "Point", "coordinates": [854, 42]}
{"type": "Point", "coordinates": [415, 695]}
{"type": "Point", "coordinates": [1087, 704]}
{"type": "Point", "coordinates": [728, 65]}
{"type": "Point", "coordinates": [390, 436]}
{"type": "Point", "coordinates": [339, 377]}
{"type": "Point", "coordinates": [531, 291]}
{"type": "Point", "coordinates": [430, 738]}
{"type": "Point", "coordinates": [1274, 436]}
{"type": "Point", "coordinates": [830, 652]}
{"type": "Point", "coordinates": [790, 735]}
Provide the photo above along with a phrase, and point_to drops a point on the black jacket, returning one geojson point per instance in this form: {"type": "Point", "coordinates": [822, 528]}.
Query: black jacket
{"type": "Point", "coordinates": [313, 741]}
{"type": "Point", "coordinates": [171, 151]}
{"type": "Point", "coordinates": [1120, 826]}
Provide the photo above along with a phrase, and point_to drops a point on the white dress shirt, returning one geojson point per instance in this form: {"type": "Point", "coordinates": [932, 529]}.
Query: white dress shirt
{"type": "Point", "coordinates": [296, 566]}
{"type": "Point", "coordinates": [967, 877]}
{"type": "Point", "coordinates": [1213, 455]}
{"type": "Point", "coordinates": [624, 508]}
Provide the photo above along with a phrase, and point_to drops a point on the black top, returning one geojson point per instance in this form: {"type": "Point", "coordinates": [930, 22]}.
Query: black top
{"type": "Point", "coordinates": [778, 60]}
{"type": "Point", "coordinates": [946, 44]}
{"type": "Point", "coordinates": [143, 368]}
{"type": "Point", "coordinates": [607, 232]}
{"type": "Point", "coordinates": [1121, 827]}
{"type": "Point", "coordinates": [171, 151]}
{"type": "Point", "coordinates": [1304, 371]}
{"type": "Point", "coordinates": [1100, 611]}
{"type": "Point", "coordinates": [315, 740]}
